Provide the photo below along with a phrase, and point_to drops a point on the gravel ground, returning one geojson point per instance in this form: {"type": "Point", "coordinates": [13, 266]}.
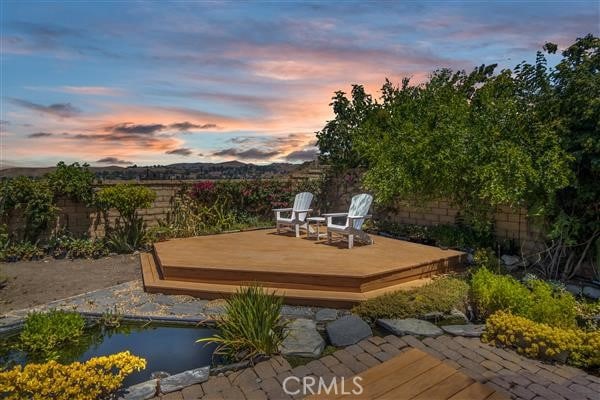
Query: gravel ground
{"type": "Point", "coordinates": [31, 283]}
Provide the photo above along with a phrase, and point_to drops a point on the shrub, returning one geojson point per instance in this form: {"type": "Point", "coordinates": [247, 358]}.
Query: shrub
{"type": "Point", "coordinates": [486, 258]}
{"type": "Point", "coordinates": [44, 333]}
{"type": "Point", "coordinates": [538, 340]}
{"type": "Point", "coordinates": [74, 181]}
{"type": "Point", "coordinates": [34, 198]}
{"type": "Point", "coordinates": [552, 305]}
{"type": "Point", "coordinates": [252, 326]}
{"type": "Point", "coordinates": [23, 251]}
{"type": "Point", "coordinates": [442, 295]}
{"type": "Point", "coordinates": [65, 245]}
{"type": "Point", "coordinates": [95, 379]}
{"type": "Point", "coordinates": [127, 199]}
{"type": "Point", "coordinates": [587, 314]}
{"type": "Point", "coordinates": [491, 292]}
{"type": "Point", "coordinates": [538, 300]}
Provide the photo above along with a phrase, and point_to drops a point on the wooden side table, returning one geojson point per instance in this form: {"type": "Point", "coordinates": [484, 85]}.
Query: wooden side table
{"type": "Point", "coordinates": [316, 221]}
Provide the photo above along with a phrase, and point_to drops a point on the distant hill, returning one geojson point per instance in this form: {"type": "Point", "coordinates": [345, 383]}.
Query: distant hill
{"type": "Point", "coordinates": [225, 170]}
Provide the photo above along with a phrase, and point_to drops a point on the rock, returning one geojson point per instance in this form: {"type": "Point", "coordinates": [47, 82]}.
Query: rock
{"type": "Point", "coordinates": [297, 312]}
{"type": "Point", "coordinates": [159, 375]}
{"type": "Point", "coordinates": [187, 378]}
{"type": "Point", "coordinates": [141, 391]}
{"type": "Point", "coordinates": [303, 340]}
{"type": "Point", "coordinates": [591, 292]}
{"type": "Point", "coordinates": [348, 330]}
{"type": "Point", "coordinates": [575, 290]}
{"type": "Point", "coordinates": [410, 326]}
{"type": "Point", "coordinates": [468, 330]}
{"type": "Point", "coordinates": [216, 307]}
{"type": "Point", "coordinates": [433, 316]}
{"type": "Point", "coordinates": [326, 315]}
{"type": "Point", "coordinates": [470, 259]}
{"type": "Point", "coordinates": [187, 309]}
{"type": "Point", "coordinates": [510, 260]}
{"type": "Point", "coordinates": [163, 299]}
{"type": "Point", "coordinates": [456, 317]}
{"type": "Point", "coordinates": [148, 308]}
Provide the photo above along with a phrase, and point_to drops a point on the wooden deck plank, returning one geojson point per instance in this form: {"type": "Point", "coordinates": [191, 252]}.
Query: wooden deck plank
{"type": "Point", "coordinates": [304, 271]}
{"type": "Point", "coordinates": [409, 358]}
{"type": "Point", "coordinates": [265, 251]}
{"type": "Point", "coordinates": [420, 383]}
{"type": "Point", "coordinates": [475, 391]}
{"type": "Point", "coordinates": [416, 375]}
{"type": "Point", "coordinates": [447, 388]}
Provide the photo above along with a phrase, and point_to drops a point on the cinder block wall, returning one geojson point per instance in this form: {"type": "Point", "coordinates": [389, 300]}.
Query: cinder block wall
{"type": "Point", "coordinates": [509, 223]}
{"type": "Point", "coordinates": [82, 220]}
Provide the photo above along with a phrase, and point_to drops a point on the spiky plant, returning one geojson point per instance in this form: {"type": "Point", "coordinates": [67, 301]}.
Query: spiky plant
{"type": "Point", "coordinates": [252, 325]}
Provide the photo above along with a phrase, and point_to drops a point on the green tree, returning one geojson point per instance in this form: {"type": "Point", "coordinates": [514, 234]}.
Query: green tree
{"type": "Point", "coordinates": [523, 137]}
{"type": "Point", "coordinates": [335, 139]}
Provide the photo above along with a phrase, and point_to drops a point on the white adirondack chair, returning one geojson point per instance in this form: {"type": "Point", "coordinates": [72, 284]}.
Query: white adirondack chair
{"type": "Point", "coordinates": [298, 213]}
{"type": "Point", "coordinates": [355, 217]}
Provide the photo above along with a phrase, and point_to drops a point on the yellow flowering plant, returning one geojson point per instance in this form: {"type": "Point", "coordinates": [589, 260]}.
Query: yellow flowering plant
{"type": "Point", "coordinates": [573, 346]}
{"type": "Point", "coordinates": [93, 379]}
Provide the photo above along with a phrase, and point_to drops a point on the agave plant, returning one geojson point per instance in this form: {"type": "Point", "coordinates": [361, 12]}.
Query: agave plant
{"type": "Point", "coordinates": [252, 325]}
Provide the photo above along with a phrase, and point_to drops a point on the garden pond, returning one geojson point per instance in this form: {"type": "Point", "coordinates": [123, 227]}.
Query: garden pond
{"type": "Point", "coordinates": [169, 348]}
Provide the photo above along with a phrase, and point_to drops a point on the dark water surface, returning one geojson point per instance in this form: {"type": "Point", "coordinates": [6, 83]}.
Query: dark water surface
{"type": "Point", "coordinates": [168, 348]}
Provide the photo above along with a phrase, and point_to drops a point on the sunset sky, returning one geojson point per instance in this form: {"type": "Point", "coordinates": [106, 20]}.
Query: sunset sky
{"type": "Point", "coordinates": [116, 83]}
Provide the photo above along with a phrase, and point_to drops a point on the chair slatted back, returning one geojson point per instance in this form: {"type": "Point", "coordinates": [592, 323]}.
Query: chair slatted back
{"type": "Point", "coordinates": [302, 202]}
{"type": "Point", "coordinates": [360, 206]}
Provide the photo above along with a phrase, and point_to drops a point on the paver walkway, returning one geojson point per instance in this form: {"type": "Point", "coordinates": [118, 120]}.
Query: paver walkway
{"type": "Point", "coordinates": [504, 370]}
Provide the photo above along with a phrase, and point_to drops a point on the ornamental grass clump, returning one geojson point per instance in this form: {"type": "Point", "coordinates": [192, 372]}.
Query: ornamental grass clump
{"type": "Point", "coordinates": [252, 325]}
{"type": "Point", "coordinates": [97, 378]}
{"type": "Point", "coordinates": [44, 334]}
{"type": "Point", "coordinates": [542, 341]}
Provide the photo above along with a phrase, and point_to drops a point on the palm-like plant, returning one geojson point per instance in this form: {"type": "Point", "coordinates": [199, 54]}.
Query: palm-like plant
{"type": "Point", "coordinates": [252, 325]}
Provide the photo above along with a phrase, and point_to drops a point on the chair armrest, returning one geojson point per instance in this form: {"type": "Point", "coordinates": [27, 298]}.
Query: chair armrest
{"type": "Point", "coordinates": [359, 216]}
{"type": "Point", "coordinates": [335, 215]}
{"type": "Point", "coordinates": [303, 211]}
{"type": "Point", "coordinates": [282, 209]}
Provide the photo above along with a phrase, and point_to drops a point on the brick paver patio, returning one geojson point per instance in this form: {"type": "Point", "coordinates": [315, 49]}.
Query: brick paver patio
{"type": "Point", "coordinates": [506, 371]}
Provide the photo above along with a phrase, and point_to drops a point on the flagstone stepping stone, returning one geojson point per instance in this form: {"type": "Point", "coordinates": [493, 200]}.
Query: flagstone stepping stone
{"type": "Point", "coordinates": [410, 326]}
{"type": "Point", "coordinates": [326, 315]}
{"type": "Point", "coordinates": [215, 307]}
{"type": "Point", "coordinates": [187, 378]}
{"type": "Point", "coordinates": [348, 330]}
{"type": "Point", "coordinates": [187, 309]}
{"type": "Point", "coordinates": [297, 312]}
{"type": "Point", "coordinates": [303, 340]}
{"type": "Point", "coordinates": [141, 391]}
{"type": "Point", "coordinates": [148, 308]}
{"type": "Point", "coordinates": [469, 330]}
{"type": "Point", "coordinates": [163, 299]}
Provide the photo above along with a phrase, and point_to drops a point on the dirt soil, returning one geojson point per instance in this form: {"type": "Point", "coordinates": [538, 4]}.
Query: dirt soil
{"type": "Point", "coordinates": [32, 283]}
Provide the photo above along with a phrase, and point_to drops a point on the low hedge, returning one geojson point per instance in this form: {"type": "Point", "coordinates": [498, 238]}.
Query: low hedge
{"type": "Point", "coordinates": [536, 340]}
{"type": "Point", "coordinates": [443, 294]}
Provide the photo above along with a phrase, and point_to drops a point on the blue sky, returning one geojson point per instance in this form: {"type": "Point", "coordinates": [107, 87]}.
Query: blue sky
{"type": "Point", "coordinates": [121, 82]}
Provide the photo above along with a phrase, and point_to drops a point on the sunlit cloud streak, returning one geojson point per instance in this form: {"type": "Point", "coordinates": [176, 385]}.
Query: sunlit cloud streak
{"type": "Point", "coordinates": [221, 81]}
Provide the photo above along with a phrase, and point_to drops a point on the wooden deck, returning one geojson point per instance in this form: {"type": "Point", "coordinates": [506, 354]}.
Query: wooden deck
{"type": "Point", "coordinates": [304, 270]}
{"type": "Point", "coordinates": [415, 375]}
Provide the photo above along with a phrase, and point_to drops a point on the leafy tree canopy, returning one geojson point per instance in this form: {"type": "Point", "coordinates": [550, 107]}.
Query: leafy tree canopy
{"type": "Point", "coordinates": [522, 137]}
